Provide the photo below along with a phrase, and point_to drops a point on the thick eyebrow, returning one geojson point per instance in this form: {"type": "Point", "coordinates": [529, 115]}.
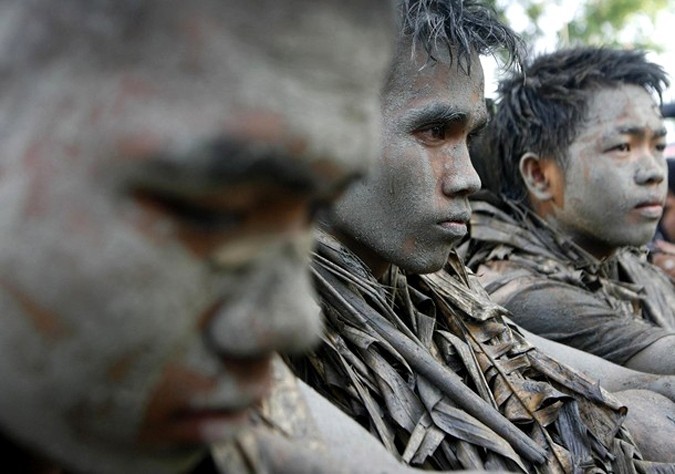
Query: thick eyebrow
{"type": "Point", "coordinates": [211, 165]}
{"type": "Point", "coordinates": [641, 131]}
{"type": "Point", "coordinates": [433, 113]}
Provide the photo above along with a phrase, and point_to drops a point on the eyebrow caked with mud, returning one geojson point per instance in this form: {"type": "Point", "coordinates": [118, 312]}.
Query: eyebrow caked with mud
{"type": "Point", "coordinates": [215, 165]}
{"type": "Point", "coordinates": [433, 114]}
{"type": "Point", "coordinates": [640, 131]}
{"type": "Point", "coordinates": [204, 215]}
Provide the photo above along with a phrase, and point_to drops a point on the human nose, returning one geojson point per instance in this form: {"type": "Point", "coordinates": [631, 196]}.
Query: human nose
{"type": "Point", "coordinates": [269, 306]}
{"type": "Point", "coordinates": [459, 177]}
{"type": "Point", "coordinates": [651, 169]}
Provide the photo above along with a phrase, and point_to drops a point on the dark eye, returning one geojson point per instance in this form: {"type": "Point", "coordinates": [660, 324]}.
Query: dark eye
{"type": "Point", "coordinates": [432, 134]}
{"type": "Point", "coordinates": [437, 132]}
{"type": "Point", "coordinates": [190, 213]}
{"type": "Point", "coordinates": [660, 147]}
{"type": "Point", "coordinates": [623, 147]}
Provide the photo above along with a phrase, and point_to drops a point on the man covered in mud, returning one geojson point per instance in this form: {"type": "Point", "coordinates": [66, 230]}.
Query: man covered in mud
{"type": "Point", "coordinates": [579, 138]}
{"type": "Point", "coordinates": [161, 160]}
{"type": "Point", "coordinates": [427, 363]}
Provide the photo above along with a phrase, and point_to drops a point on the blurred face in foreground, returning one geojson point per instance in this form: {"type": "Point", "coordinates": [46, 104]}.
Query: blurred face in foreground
{"type": "Point", "coordinates": [414, 206]}
{"type": "Point", "coordinates": [157, 178]}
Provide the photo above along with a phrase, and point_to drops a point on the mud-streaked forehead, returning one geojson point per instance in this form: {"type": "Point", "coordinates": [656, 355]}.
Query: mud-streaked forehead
{"type": "Point", "coordinates": [327, 64]}
{"type": "Point", "coordinates": [418, 81]}
{"type": "Point", "coordinates": [317, 66]}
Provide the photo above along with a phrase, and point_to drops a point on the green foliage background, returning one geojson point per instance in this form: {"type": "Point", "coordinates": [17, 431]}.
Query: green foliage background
{"type": "Point", "coordinates": [595, 21]}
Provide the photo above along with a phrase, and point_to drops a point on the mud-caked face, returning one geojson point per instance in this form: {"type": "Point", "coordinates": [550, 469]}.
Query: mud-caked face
{"type": "Point", "coordinates": [613, 189]}
{"type": "Point", "coordinates": [414, 205]}
{"type": "Point", "coordinates": [155, 227]}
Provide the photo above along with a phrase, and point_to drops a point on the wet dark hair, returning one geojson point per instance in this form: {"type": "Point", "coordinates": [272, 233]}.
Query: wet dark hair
{"type": "Point", "coordinates": [671, 174]}
{"type": "Point", "coordinates": [543, 108]}
{"type": "Point", "coordinates": [465, 27]}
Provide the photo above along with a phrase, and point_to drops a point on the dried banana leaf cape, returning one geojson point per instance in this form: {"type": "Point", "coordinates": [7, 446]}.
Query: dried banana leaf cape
{"type": "Point", "coordinates": [429, 366]}
{"type": "Point", "coordinates": [281, 431]}
{"type": "Point", "coordinates": [502, 229]}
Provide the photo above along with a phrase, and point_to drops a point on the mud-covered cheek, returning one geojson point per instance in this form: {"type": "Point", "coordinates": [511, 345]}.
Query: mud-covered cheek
{"type": "Point", "coordinates": [46, 322]}
{"type": "Point", "coordinates": [409, 245]}
{"type": "Point", "coordinates": [268, 305]}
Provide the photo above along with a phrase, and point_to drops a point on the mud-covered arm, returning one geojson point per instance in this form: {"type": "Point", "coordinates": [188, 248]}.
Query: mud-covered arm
{"type": "Point", "coordinates": [612, 377]}
{"type": "Point", "coordinates": [350, 445]}
{"type": "Point", "coordinates": [578, 318]}
{"type": "Point", "coordinates": [658, 357]}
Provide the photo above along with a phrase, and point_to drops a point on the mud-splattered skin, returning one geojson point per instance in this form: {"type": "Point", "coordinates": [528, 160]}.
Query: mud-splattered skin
{"type": "Point", "coordinates": [414, 207]}
{"type": "Point", "coordinates": [147, 272]}
{"type": "Point", "coordinates": [612, 192]}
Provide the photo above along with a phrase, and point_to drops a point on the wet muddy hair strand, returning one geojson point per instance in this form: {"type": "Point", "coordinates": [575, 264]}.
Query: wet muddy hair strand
{"type": "Point", "coordinates": [543, 108]}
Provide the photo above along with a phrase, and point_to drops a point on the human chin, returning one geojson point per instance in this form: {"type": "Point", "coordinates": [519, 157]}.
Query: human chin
{"type": "Point", "coordinates": [90, 456]}
{"type": "Point", "coordinates": [637, 236]}
{"type": "Point", "coordinates": [424, 261]}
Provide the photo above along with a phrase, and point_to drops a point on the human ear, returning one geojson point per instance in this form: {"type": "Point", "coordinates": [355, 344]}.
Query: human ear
{"type": "Point", "coordinates": [535, 172]}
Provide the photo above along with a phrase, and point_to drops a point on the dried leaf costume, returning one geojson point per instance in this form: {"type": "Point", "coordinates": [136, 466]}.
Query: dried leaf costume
{"type": "Point", "coordinates": [612, 308]}
{"type": "Point", "coordinates": [282, 437]}
{"type": "Point", "coordinates": [429, 366]}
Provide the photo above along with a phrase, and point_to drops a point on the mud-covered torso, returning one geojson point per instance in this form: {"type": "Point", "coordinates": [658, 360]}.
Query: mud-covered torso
{"type": "Point", "coordinates": [399, 356]}
{"type": "Point", "coordinates": [612, 308]}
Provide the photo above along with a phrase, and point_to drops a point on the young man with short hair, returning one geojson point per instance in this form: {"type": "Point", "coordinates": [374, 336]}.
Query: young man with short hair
{"type": "Point", "coordinates": [579, 138]}
{"type": "Point", "coordinates": [427, 363]}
